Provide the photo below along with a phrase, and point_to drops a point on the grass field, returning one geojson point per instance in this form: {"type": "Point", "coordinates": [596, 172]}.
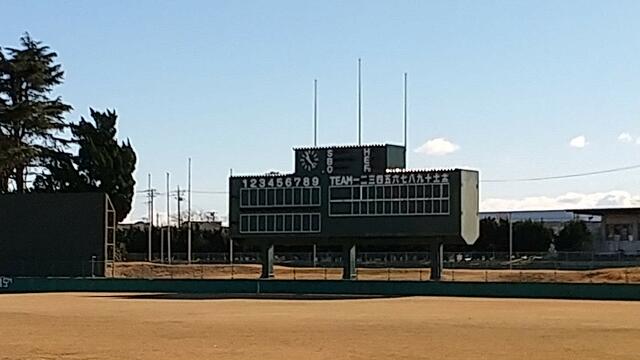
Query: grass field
{"type": "Point", "coordinates": [209, 271]}
{"type": "Point", "coordinates": [150, 327]}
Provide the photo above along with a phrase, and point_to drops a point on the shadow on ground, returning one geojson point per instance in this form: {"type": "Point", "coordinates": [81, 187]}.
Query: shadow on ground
{"type": "Point", "coordinates": [191, 296]}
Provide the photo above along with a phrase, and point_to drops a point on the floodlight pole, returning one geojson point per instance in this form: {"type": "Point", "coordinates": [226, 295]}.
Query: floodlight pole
{"type": "Point", "coordinates": [189, 215]}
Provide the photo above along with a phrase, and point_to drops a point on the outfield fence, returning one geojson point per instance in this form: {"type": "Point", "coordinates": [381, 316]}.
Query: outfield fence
{"type": "Point", "coordinates": [575, 267]}
{"type": "Point", "coordinates": [452, 260]}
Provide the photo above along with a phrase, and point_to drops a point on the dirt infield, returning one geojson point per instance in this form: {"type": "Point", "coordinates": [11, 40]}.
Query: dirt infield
{"type": "Point", "coordinates": [147, 327]}
{"type": "Point", "coordinates": [208, 271]}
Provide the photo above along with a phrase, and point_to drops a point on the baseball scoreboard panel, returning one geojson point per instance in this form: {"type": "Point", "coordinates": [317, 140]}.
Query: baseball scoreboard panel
{"type": "Point", "coordinates": [356, 192]}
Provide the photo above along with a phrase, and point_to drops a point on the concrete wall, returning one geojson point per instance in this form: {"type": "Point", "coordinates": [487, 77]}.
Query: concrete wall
{"type": "Point", "coordinates": [327, 287]}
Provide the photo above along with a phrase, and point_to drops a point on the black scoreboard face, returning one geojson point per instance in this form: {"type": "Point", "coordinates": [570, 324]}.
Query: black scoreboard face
{"type": "Point", "coordinates": [362, 193]}
{"type": "Point", "coordinates": [349, 160]}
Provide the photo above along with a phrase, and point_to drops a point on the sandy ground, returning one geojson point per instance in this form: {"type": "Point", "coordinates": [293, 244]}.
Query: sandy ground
{"type": "Point", "coordinates": [148, 270]}
{"type": "Point", "coordinates": [144, 327]}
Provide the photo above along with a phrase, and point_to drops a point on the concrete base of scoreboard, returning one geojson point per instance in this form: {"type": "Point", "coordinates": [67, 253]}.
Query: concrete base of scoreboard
{"type": "Point", "coordinates": [437, 264]}
{"type": "Point", "coordinates": [349, 265]}
{"type": "Point", "coordinates": [349, 262]}
{"type": "Point", "coordinates": [266, 257]}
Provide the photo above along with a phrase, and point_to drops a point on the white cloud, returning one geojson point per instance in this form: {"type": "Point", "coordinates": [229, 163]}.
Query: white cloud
{"type": "Point", "coordinates": [625, 137]}
{"type": "Point", "coordinates": [578, 142]}
{"type": "Point", "coordinates": [571, 200]}
{"type": "Point", "coordinates": [638, 140]}
{"type": "Point", "coordinates": [437, 147]}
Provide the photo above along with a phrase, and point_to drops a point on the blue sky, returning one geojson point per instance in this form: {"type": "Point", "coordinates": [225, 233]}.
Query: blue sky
{"type": "Point", "coordinates": [504, 85]}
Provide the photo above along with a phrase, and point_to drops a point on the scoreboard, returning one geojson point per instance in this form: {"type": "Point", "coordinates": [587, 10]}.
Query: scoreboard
{"type": "Point", "coordinates": [361, 194]}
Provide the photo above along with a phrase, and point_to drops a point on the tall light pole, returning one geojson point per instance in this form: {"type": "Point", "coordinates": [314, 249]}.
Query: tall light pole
{"type": "Point", "coordinates": [189, 215]}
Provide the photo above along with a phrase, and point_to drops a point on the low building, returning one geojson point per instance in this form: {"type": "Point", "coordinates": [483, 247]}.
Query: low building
{"type": "Point", "coordinates": [613, 229]}
{"type": "Point", "coordinates": [618, 229]}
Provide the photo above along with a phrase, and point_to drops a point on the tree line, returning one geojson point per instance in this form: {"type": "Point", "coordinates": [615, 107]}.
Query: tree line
{"type": "Point", "coordinates": [531, 236]}
{"type": "Point", "coordinates": [43, 151]}
{"type": "Point", "coordinates": [528, 236]}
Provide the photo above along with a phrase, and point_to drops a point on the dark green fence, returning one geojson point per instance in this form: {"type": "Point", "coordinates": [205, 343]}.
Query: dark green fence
{"type": "Point", "coordinates": [312, 287]}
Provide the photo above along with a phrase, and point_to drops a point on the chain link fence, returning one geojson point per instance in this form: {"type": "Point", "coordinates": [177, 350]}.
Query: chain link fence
{"type": "Point", "coordinates": [585, 267]}
{"type": "Point", "coordinates": [387, 266]}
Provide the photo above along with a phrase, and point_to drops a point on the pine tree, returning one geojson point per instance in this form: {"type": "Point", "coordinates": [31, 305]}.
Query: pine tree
{"type": "Point", "coordinates": [30, 118]}
{"type": "Point", "coordinates": [104, 164]}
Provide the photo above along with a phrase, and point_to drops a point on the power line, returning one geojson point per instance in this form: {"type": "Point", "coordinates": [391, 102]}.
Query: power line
{"type": "Point", "coordinates": [556, 177]}
{"type": "Point", "coordinates": [202, 192]}
{"type": "Point", "coordinates": [543, 178]}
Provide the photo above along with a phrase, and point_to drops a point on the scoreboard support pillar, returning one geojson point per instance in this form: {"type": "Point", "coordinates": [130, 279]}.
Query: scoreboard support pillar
{"type": "Point", "coordinates": [266, 254]}
{"type": "Point", "coordinates": [349, 262]}
{"type": "Point", "coordinates": [437, 255]}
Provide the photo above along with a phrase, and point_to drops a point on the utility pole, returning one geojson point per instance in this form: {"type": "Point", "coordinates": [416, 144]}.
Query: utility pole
{"type": "Point", "coordinates": [168, 221]}
{"type": "Point", "coordinates": [180, 199]}
{"type": "Point", "coordinates": [150, 195]}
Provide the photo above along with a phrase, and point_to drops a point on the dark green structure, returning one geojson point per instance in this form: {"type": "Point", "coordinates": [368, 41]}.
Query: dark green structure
{"type": "Point", "coordinates": [178, 288]}
{"type": "Point", "coordinates": [350, 195]}
{"type": "Point", "coordinates": [70, 234]}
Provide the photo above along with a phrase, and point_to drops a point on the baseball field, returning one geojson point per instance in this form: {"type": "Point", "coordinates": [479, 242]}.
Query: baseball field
{"type": "Point", "coordinates": [175, 327]}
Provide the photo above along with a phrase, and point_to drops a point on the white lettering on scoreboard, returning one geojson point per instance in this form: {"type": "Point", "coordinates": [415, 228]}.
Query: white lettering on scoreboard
{"type": "Point", "coordinates": [366, 160]}
{"type": "Point", "coordinates": [281, 182]}
{"type": "Point", "coordinates": [5, 282]}
{"type": "Point", "coordinates": [389, 179]}
{"type": "Point", "coordinates": [395, 194]}
{"type": "Point", "coordinates": [330, 161]}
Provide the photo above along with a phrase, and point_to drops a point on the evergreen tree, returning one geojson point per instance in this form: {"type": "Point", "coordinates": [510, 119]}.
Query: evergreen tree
{"type": "Point", "coordinates": [106, 165]}
{"type": "Point", "coordinates": [102, 164]}
{"type": "Point", "coordinates": [30, 118]}
{"type": "Point", "coordinates": [574, 236]}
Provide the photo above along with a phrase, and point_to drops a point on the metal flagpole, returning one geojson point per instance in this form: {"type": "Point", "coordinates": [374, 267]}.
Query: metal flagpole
{"type": "Point", "coordinates": [359, 102]}
{"type": "Point", "coordinates": [315, 112]}
{"type": "Point", "coordinates": [230, 239]}
{"type": "Point", "coordinates": [404, 112]}
{"type": "Point", "coordinates": [168, 222]}
{"type": "Point", "coordinates": [189, 215]}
